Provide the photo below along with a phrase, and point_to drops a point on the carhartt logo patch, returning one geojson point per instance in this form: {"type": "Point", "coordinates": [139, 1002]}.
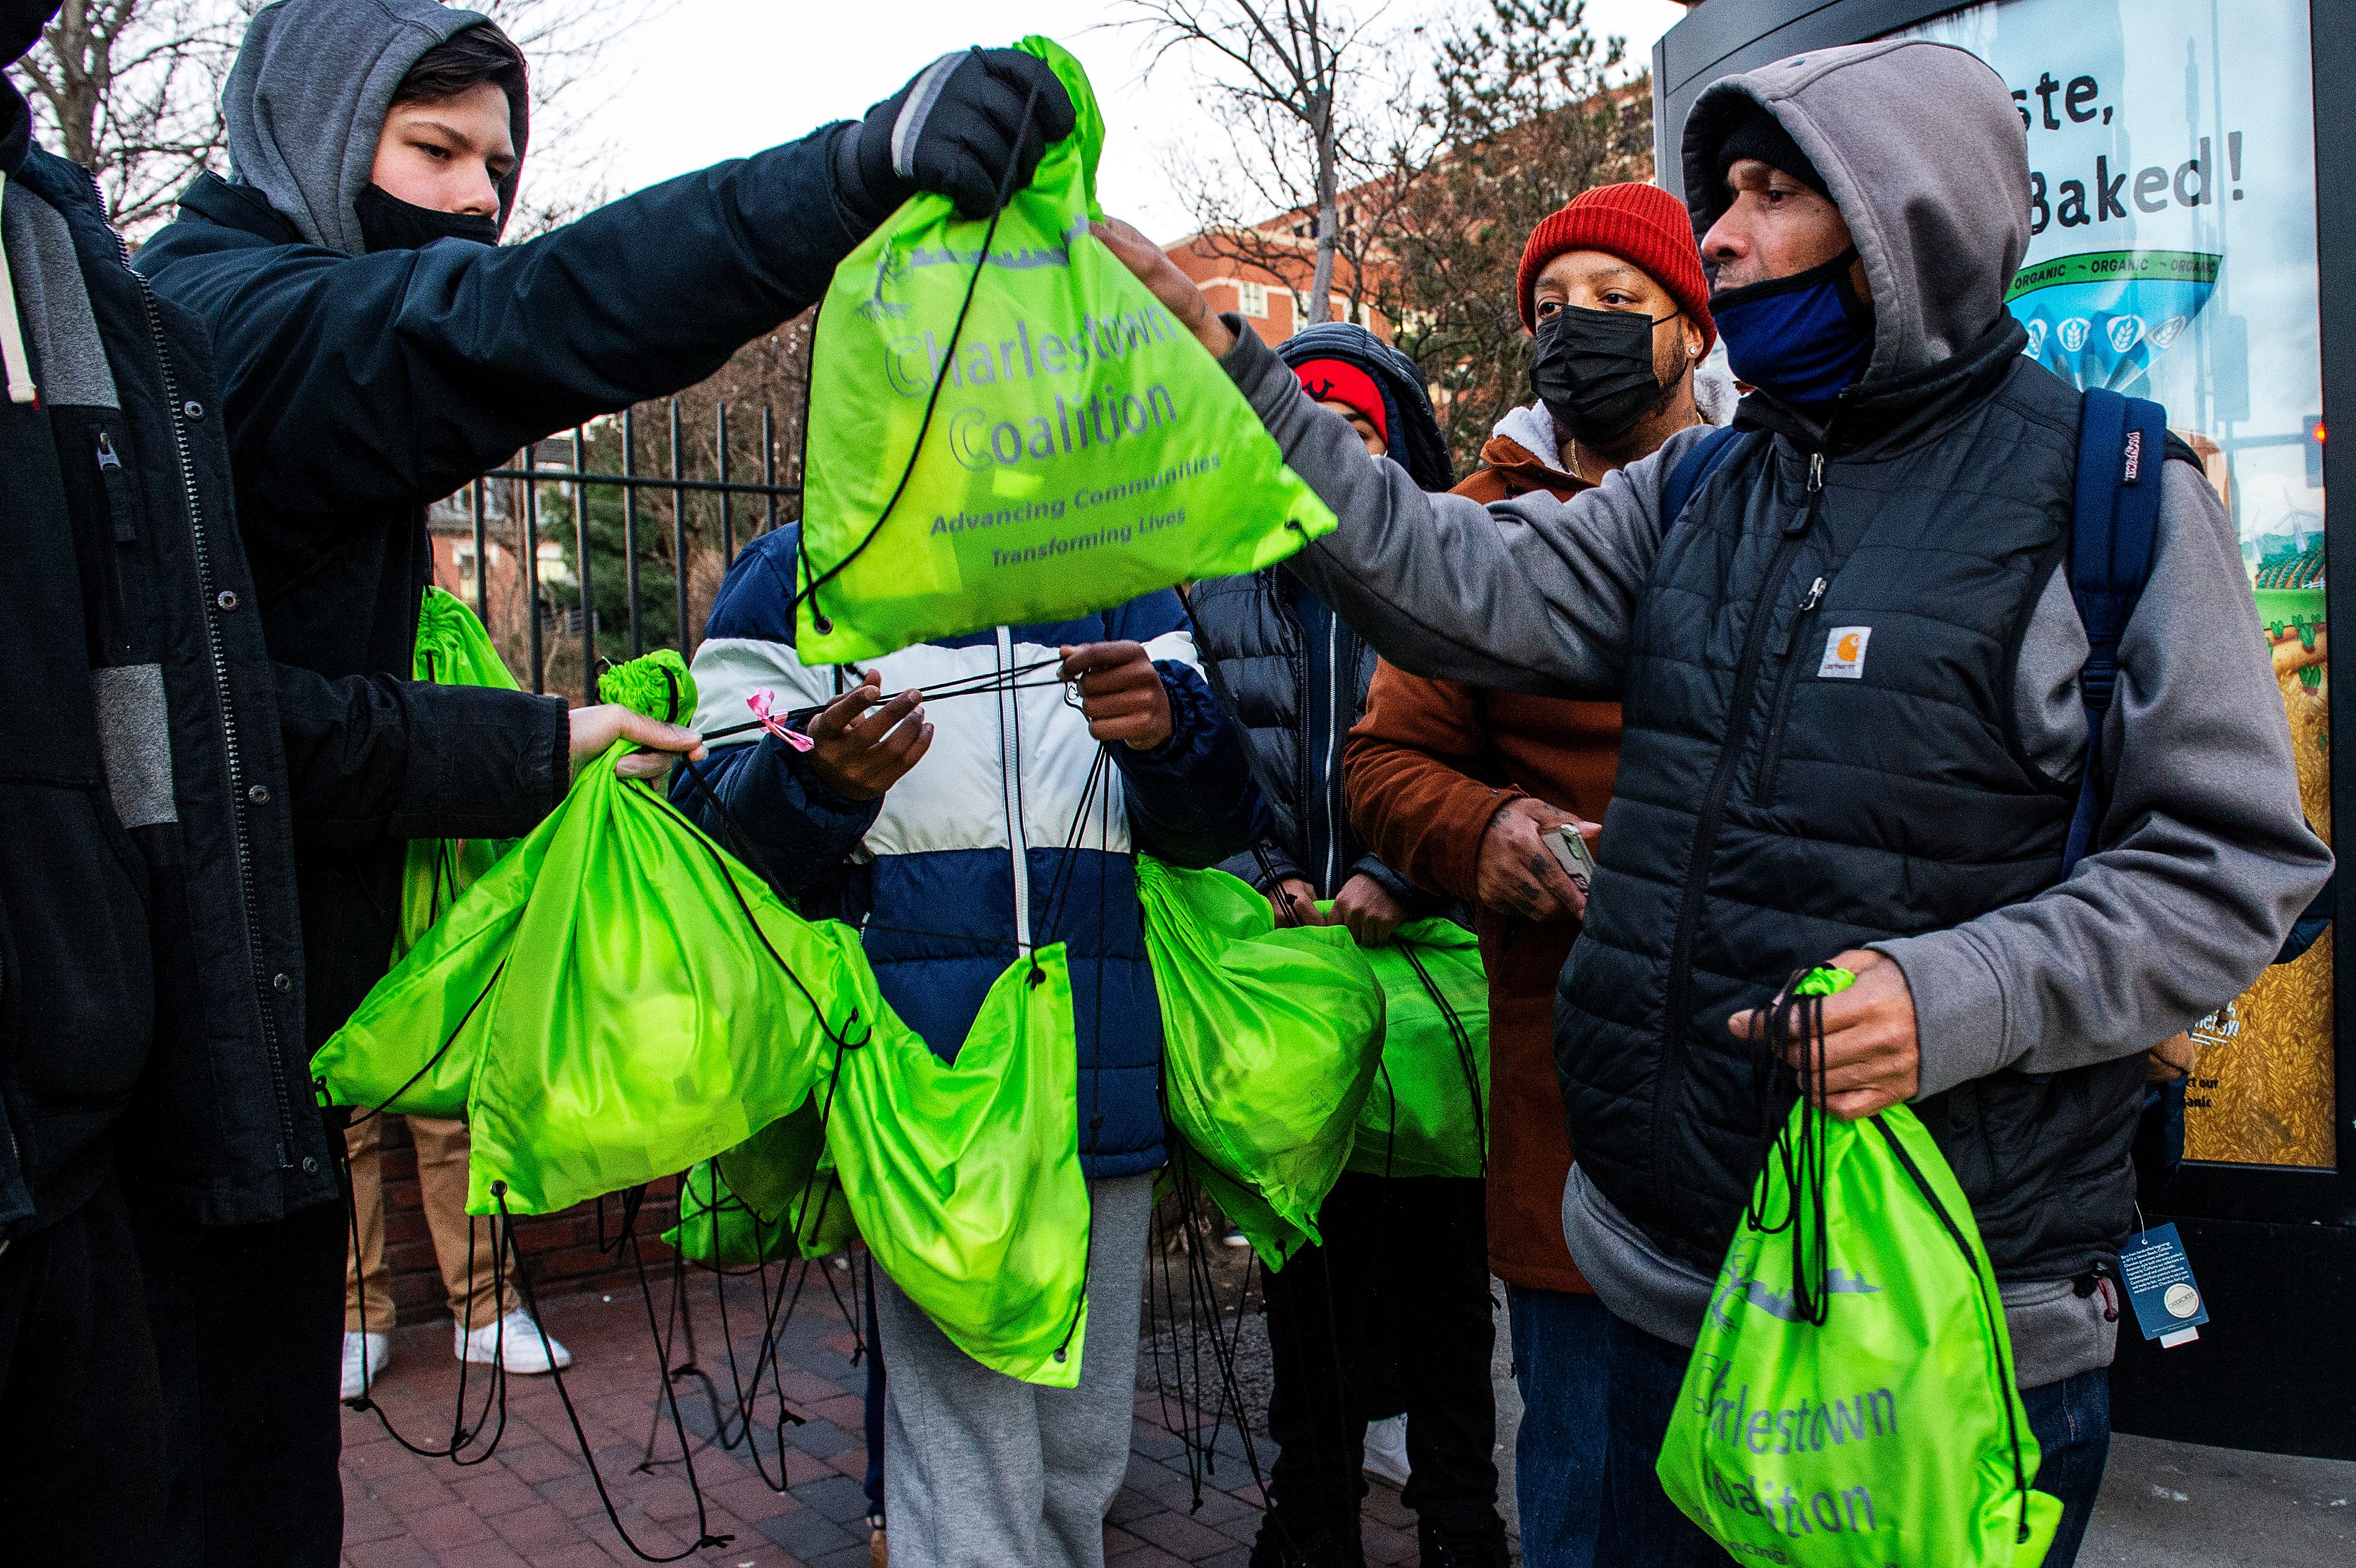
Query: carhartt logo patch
{"type": "Point", "coordinates": [1845, 653]}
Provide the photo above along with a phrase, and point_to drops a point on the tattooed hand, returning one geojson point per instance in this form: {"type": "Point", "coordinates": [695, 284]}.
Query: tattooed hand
{"type": "Point", "coordinates": [1519, 875]}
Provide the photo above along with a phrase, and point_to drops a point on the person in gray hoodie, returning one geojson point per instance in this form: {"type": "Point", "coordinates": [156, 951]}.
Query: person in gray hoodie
{"type": "Point", "coordinates": [1854, 734]}
{"type": "Point", "coordinates": [375, 349]}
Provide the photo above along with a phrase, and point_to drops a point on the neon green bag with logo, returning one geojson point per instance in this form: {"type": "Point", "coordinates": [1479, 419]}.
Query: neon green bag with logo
{"type": "Point", "coordinates": [1270, 1041]}
{"type": "Point", "coordinates": [1427, 1113]}
{"type": "Point", "coordinates": [965, 1177]}
{"type": "Point", "coordinates": [1850, 1401]}
{"type": "Point", "coordinates": [1024, 441]}
{"type": "Point", "coordinates": [617, 999]}
{"type": "Point", "coordinates": [452, 649]}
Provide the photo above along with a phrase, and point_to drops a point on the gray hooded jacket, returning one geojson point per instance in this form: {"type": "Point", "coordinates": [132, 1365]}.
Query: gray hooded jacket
{"type": "Point", "coordinates": [308, 95]}
{"type": "Point", "coordinates": [2204, 859]}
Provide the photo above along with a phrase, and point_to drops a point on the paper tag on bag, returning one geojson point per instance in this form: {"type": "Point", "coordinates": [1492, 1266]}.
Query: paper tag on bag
{"type": "Point", "coordinates": [2167, 1303]}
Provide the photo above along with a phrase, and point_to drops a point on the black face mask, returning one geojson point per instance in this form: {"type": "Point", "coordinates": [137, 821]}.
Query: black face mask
{"type": "Point", "coordinates": [1594, 370]}
{"type": "Point", "coordinates": [389, 223]}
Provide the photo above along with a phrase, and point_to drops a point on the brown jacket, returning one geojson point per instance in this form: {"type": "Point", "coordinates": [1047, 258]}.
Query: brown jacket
{"type": "Point", "coordinates": [1426, 769]}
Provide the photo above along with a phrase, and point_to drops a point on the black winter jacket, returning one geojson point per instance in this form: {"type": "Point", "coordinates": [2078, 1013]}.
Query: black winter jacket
{"type": "Point", "coordinates": [357, 390]}
{"type": "Point", "coordinates": [1265, 658]}
{"type": "Point", "coordinates": [150, 976]}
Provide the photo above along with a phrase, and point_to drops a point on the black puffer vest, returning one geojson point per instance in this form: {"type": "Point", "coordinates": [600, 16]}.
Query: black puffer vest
{"type": "Point", "coordinates": [1260, 654]}
{"type": "Point", "coordinates": [1820, 752]}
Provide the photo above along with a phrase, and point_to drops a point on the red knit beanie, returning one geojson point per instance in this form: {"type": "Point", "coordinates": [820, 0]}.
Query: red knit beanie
{"type": "Point", "coordinates": [1339, 381]}
{"type": "Point", "coordinates": [1641, 224]}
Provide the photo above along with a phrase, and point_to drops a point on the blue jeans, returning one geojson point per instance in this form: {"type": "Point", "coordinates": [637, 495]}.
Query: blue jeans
{"type": "Point", "coordinates": [1642, 1529]}
{"type": "Point", "coordinates": [1559, 1456]}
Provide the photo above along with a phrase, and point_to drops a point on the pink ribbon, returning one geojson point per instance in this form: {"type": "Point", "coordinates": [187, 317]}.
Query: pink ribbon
{"type": "Point", "coordinates": [760, 703]}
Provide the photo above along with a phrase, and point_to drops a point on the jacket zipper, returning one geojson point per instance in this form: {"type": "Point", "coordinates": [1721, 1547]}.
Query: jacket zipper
{"type": "Point", "coordinates": [2003, 1369]}
{"type": "Point", "coordinates": [1296, 653]}
{"type": "Point", "coordinates": [1331, 784]}
{"type": "Point", "coordinates": [7, 1128]}
{"type": "Point", "coordinates": [237, 800]}
{"type": "Point", "coordinates": [1009, 767]}
{"type": "Point", "coordinates": [1790, 647]}
{"type": "Point", "coordinates": [1679, 1012]}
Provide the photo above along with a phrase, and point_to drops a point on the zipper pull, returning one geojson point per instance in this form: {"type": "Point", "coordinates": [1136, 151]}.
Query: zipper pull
{"type": "Point", "coordinates": [1815, 472]}
{"type": "Point", "coordinates": [114, 476]}
{"type": "Point", "coordinates": [1813, 597]}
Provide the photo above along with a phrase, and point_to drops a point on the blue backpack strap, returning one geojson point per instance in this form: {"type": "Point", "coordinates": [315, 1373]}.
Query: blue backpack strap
{"type": "Point", "coordinates": [2122, 445]}
{"type": "Point", "coordinates": [1693, 470]}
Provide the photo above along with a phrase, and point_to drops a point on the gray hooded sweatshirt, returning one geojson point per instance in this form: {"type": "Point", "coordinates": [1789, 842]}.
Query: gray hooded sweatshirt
{"type": "Point", "coordinates": [2204, 859]}
{"type": "Point", "coordinates": [307, 97]}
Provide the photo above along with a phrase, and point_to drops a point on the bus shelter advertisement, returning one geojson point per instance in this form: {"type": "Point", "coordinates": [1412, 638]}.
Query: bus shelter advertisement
{"type": "Point", "coordinates": [2172, 210]}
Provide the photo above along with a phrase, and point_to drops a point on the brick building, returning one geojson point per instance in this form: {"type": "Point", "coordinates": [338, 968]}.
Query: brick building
{"type": "Point", "coordinates": [1264, 274]}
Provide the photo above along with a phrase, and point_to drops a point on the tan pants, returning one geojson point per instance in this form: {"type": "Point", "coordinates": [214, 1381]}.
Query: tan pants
{"type": "Point", "coordinates": [442, 1185]}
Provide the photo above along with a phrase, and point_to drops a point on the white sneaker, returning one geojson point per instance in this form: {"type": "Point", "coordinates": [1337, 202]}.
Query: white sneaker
{"type": "Point", "coordinates": [515, 1342]}
{"type": "Point", "coordinates": [364, 1356]}
{"type": "Point", "coordinates": [1386, 1450]}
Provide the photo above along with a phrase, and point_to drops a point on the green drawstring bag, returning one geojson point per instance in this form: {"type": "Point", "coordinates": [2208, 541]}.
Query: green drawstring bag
{"type": "Point", "coordinates": [452, 649]}
{"type": "Point", "coordinates": [1428, 1112]}
{"type": "Point", "coordinates": [776, 1197]}
{"type": "Point", "coordinates": [1850, 1401]}
{"type": "Point", "coordinates": [617, 999]}
{"type": "Point", "coordinates": [1270, 1042]}
{"type": "Point", "coordinates": [964, 1178]}
{"type": "Point", "coordinates": [1024, 441]}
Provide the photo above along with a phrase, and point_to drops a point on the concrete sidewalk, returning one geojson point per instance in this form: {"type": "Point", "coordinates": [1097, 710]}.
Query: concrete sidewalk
{"type": "Point", "coordinates": [534, 1503]}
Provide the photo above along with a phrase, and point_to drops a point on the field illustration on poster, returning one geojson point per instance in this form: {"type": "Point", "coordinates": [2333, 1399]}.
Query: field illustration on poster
{"type": "Point", "coordinates": [2172, 256]}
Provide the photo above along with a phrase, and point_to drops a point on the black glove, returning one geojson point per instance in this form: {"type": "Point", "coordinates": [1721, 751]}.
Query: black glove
{"type": "Point", "coordinates": [952, 129]}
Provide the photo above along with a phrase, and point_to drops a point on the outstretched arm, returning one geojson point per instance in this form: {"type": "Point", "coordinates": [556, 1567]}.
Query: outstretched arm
{"type": "Point", "coordinates": [372, 757]}
{"type": "Point", "coordinates": [1533, 595]}
{"type": "Point", "coordinates": [353, 384]}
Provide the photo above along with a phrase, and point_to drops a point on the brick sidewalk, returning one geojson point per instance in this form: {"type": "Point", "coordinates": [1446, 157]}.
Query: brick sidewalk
{"type": "Point", "coordinates": [534, 1503]}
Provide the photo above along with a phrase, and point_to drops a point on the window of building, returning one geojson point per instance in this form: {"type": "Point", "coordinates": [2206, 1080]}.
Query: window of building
{"type": "Point", "coordinates": [1252, 300]}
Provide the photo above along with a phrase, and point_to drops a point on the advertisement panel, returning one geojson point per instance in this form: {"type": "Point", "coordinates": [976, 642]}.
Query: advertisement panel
{"type": "Point", "coordinates": [2172, 150]}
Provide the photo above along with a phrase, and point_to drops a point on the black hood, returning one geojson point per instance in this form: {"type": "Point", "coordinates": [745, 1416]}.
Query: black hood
{"type": "Point", "coordinates": [1416, 443]}
{"type": "Point", "coordinates": [306, 101]}
{"type": "Point", "coordinates": [21, 22]}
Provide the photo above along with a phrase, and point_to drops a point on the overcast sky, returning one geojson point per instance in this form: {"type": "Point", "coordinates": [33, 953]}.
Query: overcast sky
{"type": "Point", "coordinates": [713, 79]}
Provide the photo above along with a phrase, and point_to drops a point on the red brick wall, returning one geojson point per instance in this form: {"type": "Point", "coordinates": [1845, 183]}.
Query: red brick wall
{"type": "Point", "coordinates": [560, 1250]}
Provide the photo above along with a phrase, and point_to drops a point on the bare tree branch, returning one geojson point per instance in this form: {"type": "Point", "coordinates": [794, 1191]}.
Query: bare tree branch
{"type": "Point", "coordinates": [1531, 109]}
{"type": "Point", "coordinates": [1285, 78]}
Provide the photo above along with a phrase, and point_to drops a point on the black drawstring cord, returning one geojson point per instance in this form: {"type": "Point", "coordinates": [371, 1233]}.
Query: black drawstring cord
{"type": "Point", "coordinates": [988, 684]}
{"type": "Point", "coordinates": [705, 1540]}
{"type": "Point", "coordinates": [1801, 1144]}
{"type": "Point", "coordinates": [1463, 1038]}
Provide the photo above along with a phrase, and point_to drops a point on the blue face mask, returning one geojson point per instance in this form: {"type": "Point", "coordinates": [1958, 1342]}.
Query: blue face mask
{"type": "Point", "coordinates": [1803, 339]}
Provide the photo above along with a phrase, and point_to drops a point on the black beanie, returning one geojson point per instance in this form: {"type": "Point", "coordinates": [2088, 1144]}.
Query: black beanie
{"type": "Point", "coordinates": [1759, 135]}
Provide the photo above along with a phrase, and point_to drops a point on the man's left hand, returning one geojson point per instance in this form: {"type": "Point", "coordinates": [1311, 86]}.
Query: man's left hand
{"type": "Point", "coordinates": [1872, 1058]}
{"type": "Point", "coordinates": [1121, 692]}
{"type": "Point", "coordinates": [592, 729]}
{"type": "Point", "coordinates": [1368, 909]}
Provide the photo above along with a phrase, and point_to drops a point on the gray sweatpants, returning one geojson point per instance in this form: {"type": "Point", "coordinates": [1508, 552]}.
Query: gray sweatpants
{"type": "Point", "coordinates": [982, 1470]}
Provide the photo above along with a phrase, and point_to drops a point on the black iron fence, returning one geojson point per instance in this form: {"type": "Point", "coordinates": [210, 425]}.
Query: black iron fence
{"type": "Point", "coordinates": [611, 517]}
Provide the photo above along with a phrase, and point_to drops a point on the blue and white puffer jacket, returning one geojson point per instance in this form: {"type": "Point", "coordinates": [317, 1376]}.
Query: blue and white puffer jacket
{"type": "Point", "coordinates": [953, 869]}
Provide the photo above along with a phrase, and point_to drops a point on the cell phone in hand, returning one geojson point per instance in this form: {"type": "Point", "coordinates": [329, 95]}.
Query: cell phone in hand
{"type": "Point", "coordinates": [1569, 847]}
